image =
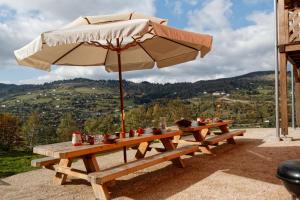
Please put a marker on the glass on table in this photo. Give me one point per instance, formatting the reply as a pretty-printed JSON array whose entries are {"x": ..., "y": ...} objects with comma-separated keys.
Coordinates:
[
  {"x": 98, "y": 139},
  {"x": 163, "y": 123}
]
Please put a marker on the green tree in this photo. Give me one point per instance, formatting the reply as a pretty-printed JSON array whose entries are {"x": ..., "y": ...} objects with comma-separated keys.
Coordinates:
[
  {"x": 92, "y": 125},
  {"x": 66, "y": 127},
  {"x": 9, "y": 131},
  {"x": 47, "y": 135},
  {"x": 178, "y": 110},
  {"x": 137, "y": 117},
  {"x": 31, "y": 130}
]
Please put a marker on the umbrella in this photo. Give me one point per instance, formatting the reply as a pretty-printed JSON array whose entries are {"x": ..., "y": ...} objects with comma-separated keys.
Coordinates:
[{"x": 122, "y": 42}]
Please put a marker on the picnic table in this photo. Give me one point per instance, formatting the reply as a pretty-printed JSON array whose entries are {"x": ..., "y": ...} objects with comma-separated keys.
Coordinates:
[
  {"x": 204, "y": 138},
  {"x": 61, "y": 155}
]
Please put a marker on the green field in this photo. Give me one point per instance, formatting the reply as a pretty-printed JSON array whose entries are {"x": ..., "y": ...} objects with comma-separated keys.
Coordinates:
[{"x": 15, "y": 162}]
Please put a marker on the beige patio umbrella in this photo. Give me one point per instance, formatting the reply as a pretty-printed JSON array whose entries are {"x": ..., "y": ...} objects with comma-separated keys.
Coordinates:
[{"x": 122, "y": 42}]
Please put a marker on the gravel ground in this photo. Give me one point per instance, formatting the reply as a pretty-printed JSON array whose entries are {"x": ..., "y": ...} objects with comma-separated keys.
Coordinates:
[{"x": 242, "y": 171}]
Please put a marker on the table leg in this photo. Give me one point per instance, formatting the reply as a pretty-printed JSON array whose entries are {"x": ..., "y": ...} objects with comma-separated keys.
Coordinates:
[
  {"x": 225, "y": 129},
  {"x": 101, "y": 191},
  {"x": 200, "y": 137},
  {"x": 90, "y": 163},
  {"x": 142, "y": 150},
  {"x": 60, "y": 178},
  {"x": 168, "y": 144}
]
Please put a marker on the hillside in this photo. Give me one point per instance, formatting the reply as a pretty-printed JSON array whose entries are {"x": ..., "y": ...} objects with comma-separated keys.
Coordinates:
[{"x": 89, "y": 98}]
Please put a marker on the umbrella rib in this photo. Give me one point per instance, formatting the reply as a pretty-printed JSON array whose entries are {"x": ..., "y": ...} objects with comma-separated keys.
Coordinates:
[
  {"x": 88, "y": 21},
  {"x": 106, "y": 57},
  {"x": 61, "y": 57}
]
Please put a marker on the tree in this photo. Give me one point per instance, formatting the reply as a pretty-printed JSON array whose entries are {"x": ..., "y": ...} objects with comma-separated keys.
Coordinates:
[
  {"x": 103, "y": 124},
  {"x": 178, "y": 110},
  {"x": 31, "y": 130},
  {"x": 66, "y": 127},
  {"x": 47, "y": 135},
  {"x": 9, "y": 131},
  {"x": 137, "y": 117}
]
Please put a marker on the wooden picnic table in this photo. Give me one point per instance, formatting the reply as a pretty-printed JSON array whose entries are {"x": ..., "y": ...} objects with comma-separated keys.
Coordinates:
[
  {"x": 202, "y": 132},
  {"x": 64, "y": 153}
]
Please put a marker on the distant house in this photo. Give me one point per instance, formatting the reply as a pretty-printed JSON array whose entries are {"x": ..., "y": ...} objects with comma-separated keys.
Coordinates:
[{"x": 216, "y": 94}]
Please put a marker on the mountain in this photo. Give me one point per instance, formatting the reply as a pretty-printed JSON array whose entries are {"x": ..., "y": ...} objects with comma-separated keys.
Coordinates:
[
  {"x": 88, "y": 98},
  {"x": 248, "y": 81}
]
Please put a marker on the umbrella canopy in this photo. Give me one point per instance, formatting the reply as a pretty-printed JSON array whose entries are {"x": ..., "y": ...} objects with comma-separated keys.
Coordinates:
[
  {"x": 122, "y": 42},
  {"x": 150, "y": 42}
]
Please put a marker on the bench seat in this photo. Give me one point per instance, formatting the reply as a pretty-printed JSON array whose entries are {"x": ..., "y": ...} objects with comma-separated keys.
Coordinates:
[
  {"x": 44, "y": 162},
  {"x": 218, "y": 138},
  {"x": 125, "y": 169}
]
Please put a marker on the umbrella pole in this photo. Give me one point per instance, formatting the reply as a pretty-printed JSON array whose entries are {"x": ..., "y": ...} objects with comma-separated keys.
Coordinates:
[{"x": 121, "y": 97}]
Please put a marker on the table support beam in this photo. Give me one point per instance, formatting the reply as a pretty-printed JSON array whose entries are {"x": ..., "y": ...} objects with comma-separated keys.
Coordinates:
[{"x": 60, "y": 178}]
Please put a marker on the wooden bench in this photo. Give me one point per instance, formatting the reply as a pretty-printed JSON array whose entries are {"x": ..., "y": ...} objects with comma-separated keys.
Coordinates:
[
  {"x": 46, "y": 162},
  {"x": 226, "y": 136},
  {"x": 214, "y": 140},
  {"x": 99, "y": 179}
]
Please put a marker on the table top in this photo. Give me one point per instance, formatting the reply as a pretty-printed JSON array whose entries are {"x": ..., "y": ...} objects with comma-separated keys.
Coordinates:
[
  {"x": 207, "y": 126},
  {"x": 67, "y": 150}
]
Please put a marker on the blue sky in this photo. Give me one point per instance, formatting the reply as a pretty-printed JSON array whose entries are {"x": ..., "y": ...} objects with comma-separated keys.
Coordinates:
[{"x": 240, "y": 28}]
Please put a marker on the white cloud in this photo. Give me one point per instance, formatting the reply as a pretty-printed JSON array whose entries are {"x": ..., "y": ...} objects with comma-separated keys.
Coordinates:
[
  {"x": 25, "y": 20},
  {"x": 235, "y": 51},
  {"x": 212, "y": 16},
  {"x": 65, "y": 72},
  {"x": 71, "y": 9}
]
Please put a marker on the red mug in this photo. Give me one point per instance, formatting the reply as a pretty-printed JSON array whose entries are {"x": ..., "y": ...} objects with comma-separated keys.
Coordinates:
[
  {"x": 140, "y": 131},
  {"x": 123, "y": 134},
  {"x": 131, "y": 133}
]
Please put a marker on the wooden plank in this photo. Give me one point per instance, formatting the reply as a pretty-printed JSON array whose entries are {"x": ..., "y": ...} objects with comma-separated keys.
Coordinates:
[
  {"x": 142, "y": 150},
  {"x": 66, "y": 150},
  {"x": 60, "y": 178},
  {"x": 207, "y": 126},
  {"x": 283, "y": 27},
  {"x": 131, "y": 167},
  {"x": 187, "y": 142},
  {"x": 72, "y": 172},
  {"x": 90, "y": 163},
  {"x": 44, "y": 161},
  {"x": 168, "y": 144},
  {"x": 218, "y": 138},
  {"x": 101, "y": 191},
  {"x": 297, "y": 103},
  {"x": 283, "y": 93}
]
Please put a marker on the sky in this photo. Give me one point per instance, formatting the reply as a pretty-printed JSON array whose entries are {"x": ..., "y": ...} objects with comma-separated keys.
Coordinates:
[{"x": 243, "y": 32}]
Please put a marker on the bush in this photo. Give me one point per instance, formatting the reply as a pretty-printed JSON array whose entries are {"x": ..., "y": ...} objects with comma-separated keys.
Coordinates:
[{"x": 9, "y": 131}]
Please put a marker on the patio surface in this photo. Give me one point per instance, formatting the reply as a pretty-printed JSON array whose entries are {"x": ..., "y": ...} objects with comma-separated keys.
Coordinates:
[{"x": 242, "y": 171}]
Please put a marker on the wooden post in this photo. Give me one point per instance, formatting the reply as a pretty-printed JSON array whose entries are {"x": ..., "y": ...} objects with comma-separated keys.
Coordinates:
[
  {"x": 121, "y": 97},
  {"x": 283, "y": 39},
  {"x": 297, "y": 101},
  {"x": 283, "y": 93}
]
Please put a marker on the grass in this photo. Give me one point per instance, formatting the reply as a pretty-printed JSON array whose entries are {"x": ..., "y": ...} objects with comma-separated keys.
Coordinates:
[{"x": 15, "y": 162}]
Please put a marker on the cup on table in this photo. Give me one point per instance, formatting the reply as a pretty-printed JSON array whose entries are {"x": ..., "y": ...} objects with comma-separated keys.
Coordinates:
[{"x": 162, "y": 123}]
